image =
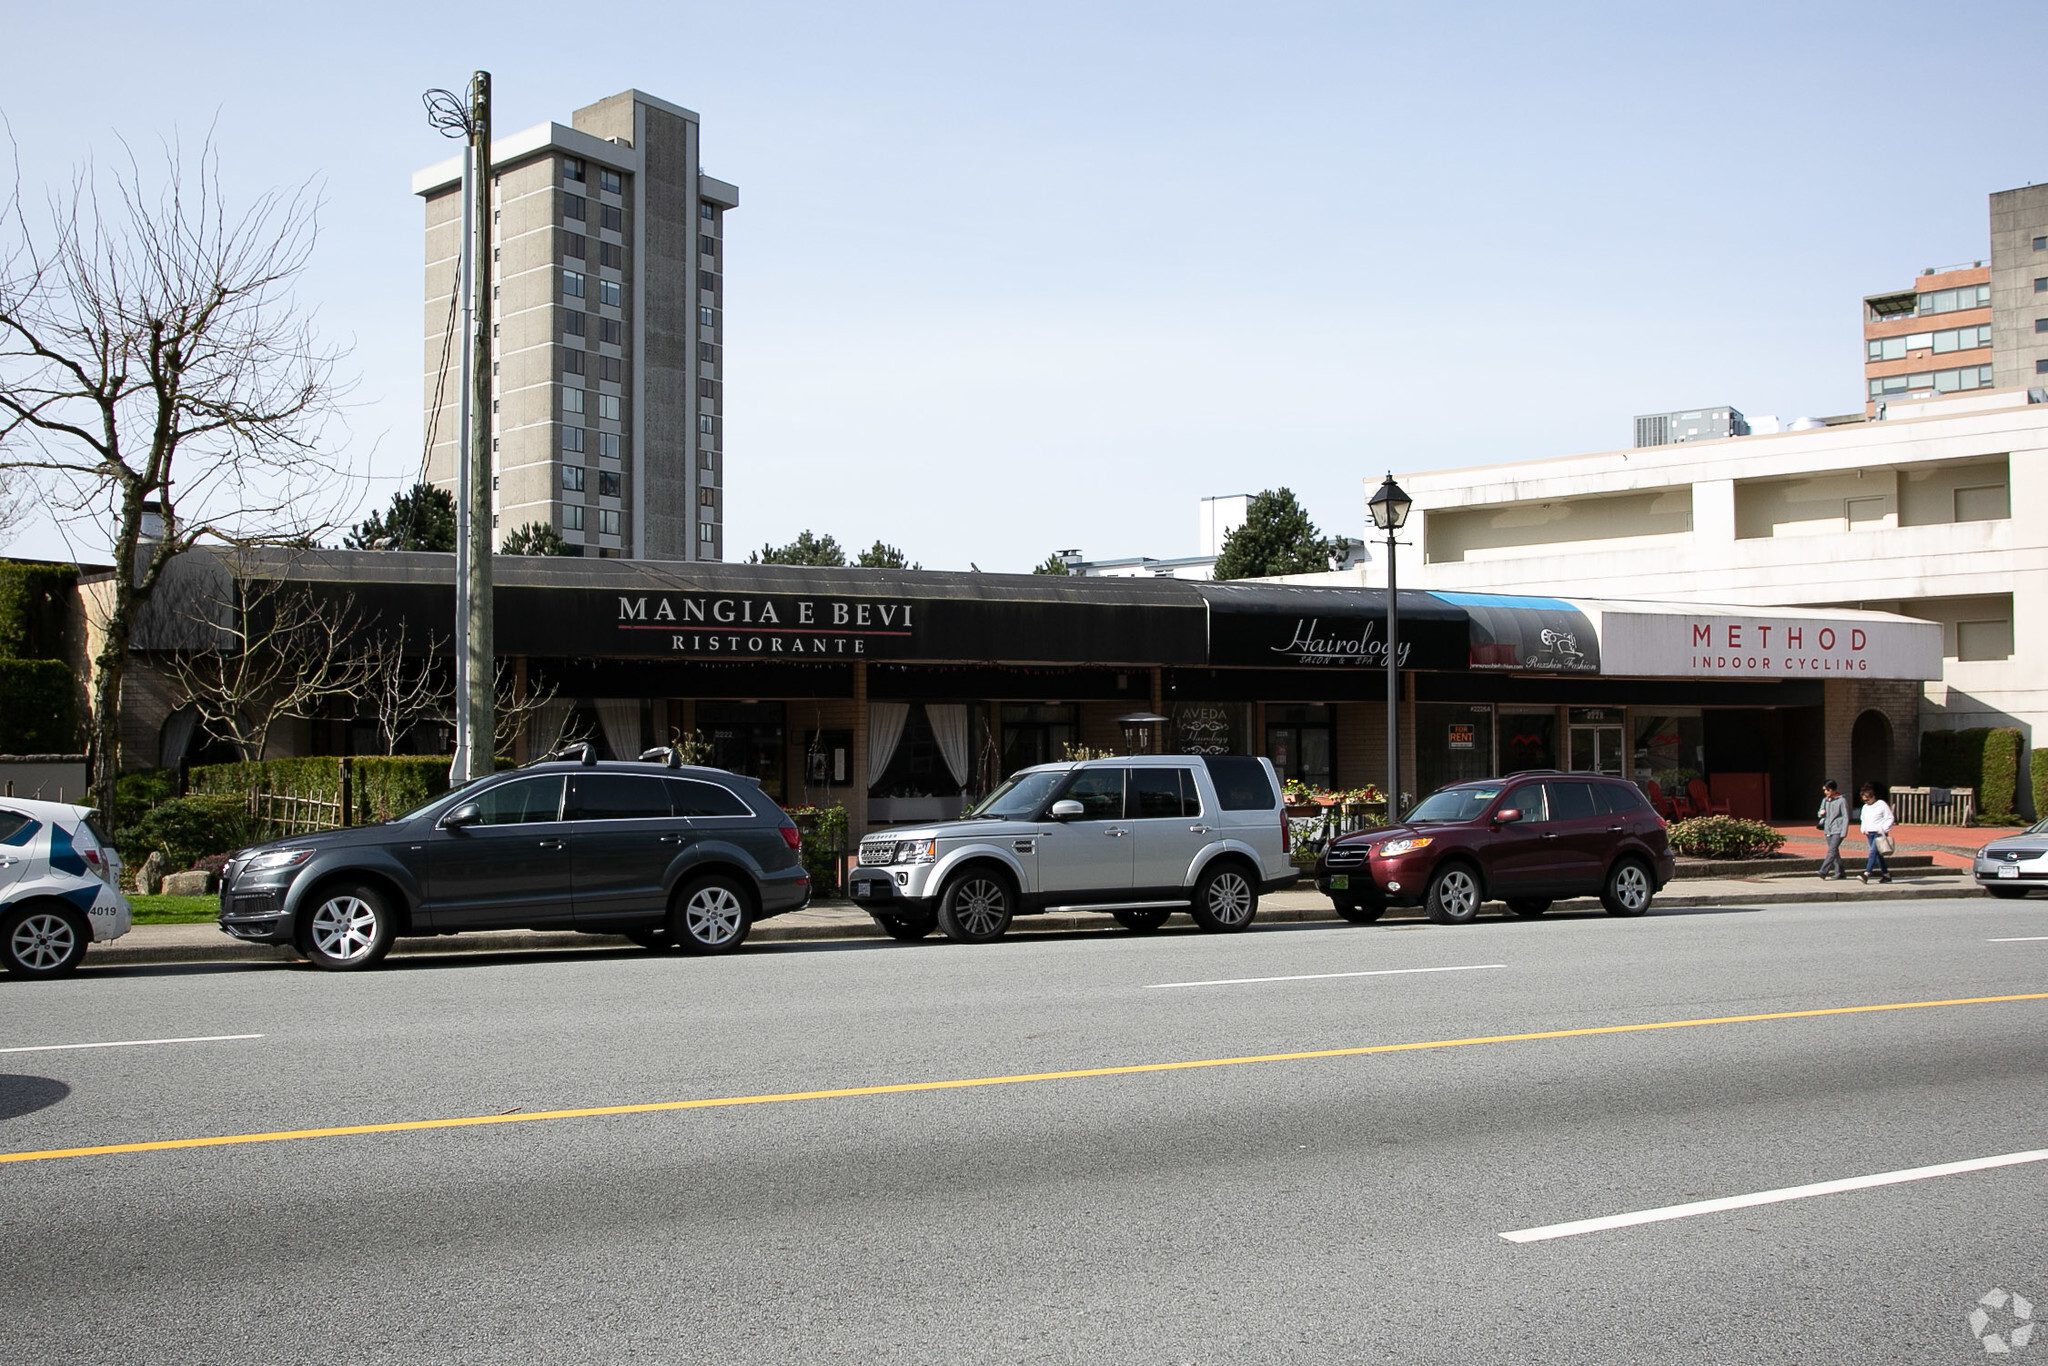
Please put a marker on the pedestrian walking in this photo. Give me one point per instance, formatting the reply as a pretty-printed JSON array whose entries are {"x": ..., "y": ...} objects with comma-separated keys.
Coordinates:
[
  {"x": 1876, "y": 820},
  {"x": 1833, "y": 822}
]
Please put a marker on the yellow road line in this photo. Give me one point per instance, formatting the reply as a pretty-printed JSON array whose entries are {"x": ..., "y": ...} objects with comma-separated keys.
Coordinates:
[{"x": 968, "y": 1083}]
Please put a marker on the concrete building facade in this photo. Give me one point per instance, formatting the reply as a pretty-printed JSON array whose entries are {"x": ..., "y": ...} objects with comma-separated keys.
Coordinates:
[
  {"x": 607, "y": 276},
  {"x": 2019, "y": 287},
  {"x": 1931, "y": 338}
]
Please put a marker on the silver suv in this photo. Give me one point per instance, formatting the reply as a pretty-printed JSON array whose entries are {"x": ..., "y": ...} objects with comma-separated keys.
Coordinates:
[{"x": 1140, "y": 837}]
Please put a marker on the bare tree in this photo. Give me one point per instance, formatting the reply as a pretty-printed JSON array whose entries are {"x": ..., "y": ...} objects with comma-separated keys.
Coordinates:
[
  {"x": 157, "y": 378},
  {"x": 404, "y": 686},
  {"x": 266, "y": 650},
  {"x": 517, "y": 705}
]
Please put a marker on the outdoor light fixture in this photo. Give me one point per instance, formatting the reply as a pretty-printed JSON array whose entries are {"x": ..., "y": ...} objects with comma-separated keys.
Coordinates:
[
  {"x": 1135, "y": 727},
  {"x": 1389, "y": 508}
]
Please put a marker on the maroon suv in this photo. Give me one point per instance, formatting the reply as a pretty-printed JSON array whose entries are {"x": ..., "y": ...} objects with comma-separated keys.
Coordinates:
[{"x": 1528, "y": 840}]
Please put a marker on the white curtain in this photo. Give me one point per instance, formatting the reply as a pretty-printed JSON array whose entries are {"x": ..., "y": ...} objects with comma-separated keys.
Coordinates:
[
  {"x": 949, "y": 728},
  {"x": 177, "y": 737},
  {"x": 548, "y": 720},
  {"x": 885, "y": 727},
  {"x": 620, "y": 717}
]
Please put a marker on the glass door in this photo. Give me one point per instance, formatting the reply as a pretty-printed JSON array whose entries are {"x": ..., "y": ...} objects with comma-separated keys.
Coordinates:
[{"x": 1598, "y": 749}]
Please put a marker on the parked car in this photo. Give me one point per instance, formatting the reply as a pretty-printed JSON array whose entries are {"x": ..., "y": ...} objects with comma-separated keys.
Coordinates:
[
  {"x": 2014, "y": 864},
  {"x": 1530, "y": 840},
  {"x": 1140, "y": 837},
  {"x": 668, "y": 855},
  {"x": 60, "y": 887}
]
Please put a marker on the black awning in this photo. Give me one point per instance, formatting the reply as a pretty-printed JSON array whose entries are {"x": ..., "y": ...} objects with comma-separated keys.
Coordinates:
[{"x": 1262, "y": 625}]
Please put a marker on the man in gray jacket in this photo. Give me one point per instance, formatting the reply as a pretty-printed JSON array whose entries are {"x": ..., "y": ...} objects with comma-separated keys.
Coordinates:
[{"x": 1833, "y": 819}]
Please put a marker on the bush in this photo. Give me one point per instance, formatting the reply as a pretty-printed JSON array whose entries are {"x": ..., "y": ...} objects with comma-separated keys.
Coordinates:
[
  {"x": 188, "y": 828},
  {"x": 135, "y": 795},
  {"x": 38, "y": 707},
  {"x": 36, "y": 605},
  {"x": 1984, "y": 759},
  {"x": 1724, "y": 837},
  {"x": 2040, "y": 783},
  {"x": 823, "y": 831},
  {"x": 391, "y": 785}
]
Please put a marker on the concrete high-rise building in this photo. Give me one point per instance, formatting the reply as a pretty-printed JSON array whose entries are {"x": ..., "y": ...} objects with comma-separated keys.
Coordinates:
[
  {"x": 2019, "y": 287},
  {"x": 608, "y": 370}
]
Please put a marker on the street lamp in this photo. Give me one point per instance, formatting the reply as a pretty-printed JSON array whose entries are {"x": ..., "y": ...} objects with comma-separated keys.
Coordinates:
[{"x": 1389, "y": 508}]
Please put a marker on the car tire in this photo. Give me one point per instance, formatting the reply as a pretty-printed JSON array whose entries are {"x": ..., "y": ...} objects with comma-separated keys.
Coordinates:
[
  {"x": 2007, "y": 893},
  {"x": 1144, "y": 920},
  {"x": 1455, "y": 895},
  {"x": 348, "y": 927},
  {"x": 1226, "y": 898},
  {"x": 976, "y": 907},
  {"x": 42, "y": 940},
  {"x": 710, "y": 915},
  {"x": 1628, "y": 889},
  {"x": 905, "y": 927},
  {"x": 1359, "y": 912},
  {"x": 1527, "y": 907}
]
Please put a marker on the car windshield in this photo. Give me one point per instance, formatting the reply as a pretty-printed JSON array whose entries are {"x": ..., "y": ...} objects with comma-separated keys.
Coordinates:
[
  {"x": 2039, "y": 827},
  {"x": 430, "y": 804},
  {"x": 1453, "y": 804},
  {"x": 1018, "y": 799}
]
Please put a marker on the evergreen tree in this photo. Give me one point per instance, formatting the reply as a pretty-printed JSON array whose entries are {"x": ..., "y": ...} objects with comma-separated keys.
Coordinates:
[
  {"x": 805, "y": 549},
  {"x": 536, "y": 538},
  {"x": 881, "y": 555},
  {"x": 1277, "y": 538},
  {"x": 1053, "y": 565},
  {"x": 421, "y": 518}
]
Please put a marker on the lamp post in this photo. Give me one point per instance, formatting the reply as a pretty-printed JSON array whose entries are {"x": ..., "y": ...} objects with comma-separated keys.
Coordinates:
[{"x": 1389, "y": 508}]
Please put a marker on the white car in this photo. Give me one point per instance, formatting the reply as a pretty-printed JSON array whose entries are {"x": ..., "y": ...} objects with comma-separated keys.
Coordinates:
[{"x": 60, "y": 887}]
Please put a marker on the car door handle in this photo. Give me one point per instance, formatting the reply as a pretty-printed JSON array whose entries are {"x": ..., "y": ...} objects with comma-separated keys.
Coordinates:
[
  {"x": 1614, "y": 829},
  {"x": 669, "y": 839},
  {"x": 550, "y": 844},
  {"x": 1198, "y": 830},
  {"x": 1115, "y": 834},
  {"x": 1550, "y": 834}
]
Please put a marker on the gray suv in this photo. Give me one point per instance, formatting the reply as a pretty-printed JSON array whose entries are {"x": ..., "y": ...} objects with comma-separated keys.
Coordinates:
[
  {"x": 1140, "y": 837},
  {"x": 670, "y": 856}
]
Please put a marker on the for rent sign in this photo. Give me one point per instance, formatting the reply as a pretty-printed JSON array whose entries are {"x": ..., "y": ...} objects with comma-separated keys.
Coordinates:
[{"x": 1853, "y": 645}]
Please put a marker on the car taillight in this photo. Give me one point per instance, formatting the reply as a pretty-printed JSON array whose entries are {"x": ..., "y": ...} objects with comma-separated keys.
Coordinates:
[
  {"x": 1286, "y": 835},
  {"x": 792, "y": 837}
]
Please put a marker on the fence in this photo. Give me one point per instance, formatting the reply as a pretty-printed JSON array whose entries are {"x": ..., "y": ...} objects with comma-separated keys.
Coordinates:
[
  {"x": 1311, "y": 828},
  {"x": 1934, "y": 805},
  {"x": 279, "y": 815}
]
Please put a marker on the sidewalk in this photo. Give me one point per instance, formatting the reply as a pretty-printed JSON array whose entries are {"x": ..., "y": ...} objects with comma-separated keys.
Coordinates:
[
  {"x": 1953, "y": 846},
  {"x": 156, "y": 944}
]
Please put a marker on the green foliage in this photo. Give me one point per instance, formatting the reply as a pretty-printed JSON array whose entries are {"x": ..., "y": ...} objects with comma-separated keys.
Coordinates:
[
  {"x": 37, "y": 603},
  {"x": 2040, "y": 783},
  {"x": 391, "y": 785},
  {"x": 420, "y": 518},
  {"x": 881, "y": 555},
  {"x": 38, "y": 707},
  {"x": 1986, "y": 759},
  {"x": 1724, "y": 837},
  {"x": 1277, "y": 538},
  {"x": 174, "y": 910},
  {"x": 1053, "y": 565},
  {"x": 189, "y": 828},
  {"x": 381, "y": 786},
  {"x": 536, "y": 538},
  {"x": 805, "y": 549},
  {"x": 136, "y": 793},
  {"x": 823, "y": 829}
]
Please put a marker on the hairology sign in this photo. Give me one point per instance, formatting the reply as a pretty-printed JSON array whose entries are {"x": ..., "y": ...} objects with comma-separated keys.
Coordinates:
[{"x": 1659, "y": 645}]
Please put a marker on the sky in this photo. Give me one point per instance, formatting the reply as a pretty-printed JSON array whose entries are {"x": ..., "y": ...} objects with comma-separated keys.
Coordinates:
[{"x": 1008, "y": 279}]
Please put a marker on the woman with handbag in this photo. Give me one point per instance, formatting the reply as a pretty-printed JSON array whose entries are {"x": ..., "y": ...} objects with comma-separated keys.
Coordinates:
[{"x": 1876, "y": 820}]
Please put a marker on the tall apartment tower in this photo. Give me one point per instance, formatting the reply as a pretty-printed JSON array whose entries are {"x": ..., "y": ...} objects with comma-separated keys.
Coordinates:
[
  {"x": 2019, "y": 287},
  {"x": 608, "y": 286}
]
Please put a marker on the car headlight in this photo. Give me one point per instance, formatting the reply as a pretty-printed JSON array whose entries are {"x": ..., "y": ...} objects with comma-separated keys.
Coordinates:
[
  {"x": 915, "y": 851},
  {"x": 1409, "y": 846},
  {"x": 277, "y": 860}
]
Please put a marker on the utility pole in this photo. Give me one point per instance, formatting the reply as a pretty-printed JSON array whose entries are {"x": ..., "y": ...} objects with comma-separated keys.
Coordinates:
[{"x": 475, "y": 644}]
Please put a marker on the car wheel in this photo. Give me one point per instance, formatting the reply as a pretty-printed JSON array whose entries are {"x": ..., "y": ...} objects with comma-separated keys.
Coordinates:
[
  {"x": 1359, "y": 912},
  {"x": 1454, "y": 896},
  {"x": 2007, "y": 893},
  {"x": 349, "y": 927},
  {"x": 1226, "y": 899},
  {"x": 42, "y": 940},
  {"x": 710, "y": 916},
  {"x": 1142, "y": 921},
  {"x": 905, "y": 927},
  {"x": 976, "y": 907},
  {"x": 1628, "y": 889},
  {"x": 1528, "y": 908}
]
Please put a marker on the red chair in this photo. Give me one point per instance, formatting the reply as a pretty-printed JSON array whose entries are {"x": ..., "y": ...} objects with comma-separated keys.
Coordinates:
[
  {"x": 1703, "y": 802},
  {"x": 1661, "y": 804}
]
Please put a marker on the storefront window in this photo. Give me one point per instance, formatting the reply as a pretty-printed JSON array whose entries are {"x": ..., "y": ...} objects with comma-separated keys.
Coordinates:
[
  {"x": 919, "y": 766},
  {"x": 1453, "y": 744},
  {"x": 746, "y": 738},
  {"x": 1527, "y": 740},
  {"x": 1208, "y": 727},
  {"x": 1037, "y": 733},
  {"x": 1670, "y": 749},
  {"x": 1300, "y": 741}
]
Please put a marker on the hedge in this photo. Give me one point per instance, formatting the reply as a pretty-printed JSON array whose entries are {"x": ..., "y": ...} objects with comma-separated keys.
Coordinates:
[
  {"x": 823, "y": 833},
  {"x": 2040, "y": 784},
  {"x": 1724, "y": 837},
  {"x": 1985, "y": 758},
  {"x": 381, "y": 786},
  {"x": 38, "y": 707},
  {"x": 36, "y": 605}
]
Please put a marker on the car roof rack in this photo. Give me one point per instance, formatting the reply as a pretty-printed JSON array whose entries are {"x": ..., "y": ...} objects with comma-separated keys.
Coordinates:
[
  {"x": 582, "y": 751},
  {"x": 669, "y": 756}
]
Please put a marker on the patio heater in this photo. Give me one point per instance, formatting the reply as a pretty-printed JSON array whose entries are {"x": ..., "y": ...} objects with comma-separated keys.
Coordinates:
[{"x": 1137, "y": 731}]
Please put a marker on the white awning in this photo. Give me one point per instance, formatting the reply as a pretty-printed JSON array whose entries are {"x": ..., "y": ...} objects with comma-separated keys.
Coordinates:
[{"x": 1679, "y": 640}]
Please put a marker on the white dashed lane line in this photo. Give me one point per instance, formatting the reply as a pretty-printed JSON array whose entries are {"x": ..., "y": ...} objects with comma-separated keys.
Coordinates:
[{"x": 1322, "y": 976}]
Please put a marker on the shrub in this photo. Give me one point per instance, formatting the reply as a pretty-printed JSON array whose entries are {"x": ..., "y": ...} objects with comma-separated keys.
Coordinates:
[
  {"x": 1724, "y": 837},
  {"x": 187, "y": 828},
  {"x": 38, "y": 707},
  {"x": 36, "y": 605},
  {"x": 823, "y": 831},
  {"x": 391, "y": 785},
  {"x": 2040, "y": 783},
  {"x": 1984, "y": 759}
]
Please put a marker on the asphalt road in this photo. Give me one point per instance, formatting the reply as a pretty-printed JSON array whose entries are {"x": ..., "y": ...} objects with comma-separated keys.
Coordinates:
[{"x": 1342, "y": 1208}]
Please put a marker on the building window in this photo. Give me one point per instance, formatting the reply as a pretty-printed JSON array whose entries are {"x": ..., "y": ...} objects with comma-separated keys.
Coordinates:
[
  {"x": 1940, "y": 381},
  {"x": 607, "y": 521},
  {"x": 611, "y": 217},
  {"x": 607, "y": 483},
  {"x": 704, "y": 460},
  {"x": 572, "y": 520},
  {"x": 572, "y": 207},
  {"x": 704, "y": 425},
  {"x": 705, "y": 533},
  {"x": 572, "y": 362},
  {"x": 609, "y": 181},
  {"x": 1984, "y": 639},
  {"x": 608, "y": 445},
  {"x": 610, "y": 368},
  {"x": 572, "y": 283},
  {"x": 707, "y": 244},
  {"x": 703, "y": 210},
  {"x": 706, "y": 389},
  {"x": 2041, "y": 285},
  {"x": 572, "y": 441},
  {"x": 2041, "y": 324},
  {"x": 704, "y": 351},
  {"x": 572, "y": 478},
  {"x": 2041, "y": 244},
  {"x": 608, "y": 407},
  {"x": 611, "y": 254},
  {"x": 572, "y": 169},
  {"x": 1949, "y": 339},
  {"x": 574, "y": 245},
  {"x": 706, "y": 280},
  {"x": 705, "y": 317},
  {"x": 2041, "y": 367},
  {"x": 608, "y": 292},
  {"x": 610, "y": 330},
  {"x": 572, "y": 324},
  {"x": 706, "y": 498},
  {"x": 572, "y": 400},
  {"x": 1954, "y": 300}
]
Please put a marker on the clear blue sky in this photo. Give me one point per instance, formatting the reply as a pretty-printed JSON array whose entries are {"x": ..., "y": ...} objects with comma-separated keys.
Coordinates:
[{"x": 1007, "y": 279}]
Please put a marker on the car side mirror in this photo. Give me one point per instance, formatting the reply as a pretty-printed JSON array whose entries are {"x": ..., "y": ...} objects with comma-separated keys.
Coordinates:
[
  {"x": 469, "y": 813},
  {"x": 1508, "y": 816},
  {"x": 1067, "y": 810}
]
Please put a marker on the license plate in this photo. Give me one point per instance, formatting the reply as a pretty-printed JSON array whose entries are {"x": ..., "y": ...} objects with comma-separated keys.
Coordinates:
[
  {"x": 1340, "y": 882},
  {"x": 2008, "y": 872},
  {"x": 863, "y": 889}
]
